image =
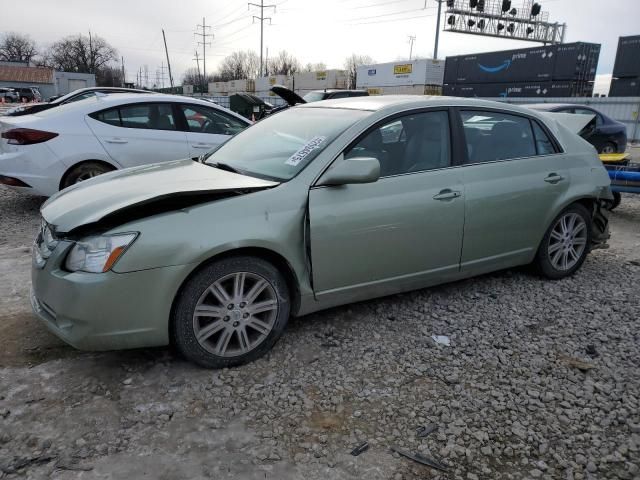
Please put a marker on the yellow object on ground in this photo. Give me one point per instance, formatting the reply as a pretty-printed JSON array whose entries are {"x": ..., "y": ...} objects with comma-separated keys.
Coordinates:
[{"x": 614, "y": 157}]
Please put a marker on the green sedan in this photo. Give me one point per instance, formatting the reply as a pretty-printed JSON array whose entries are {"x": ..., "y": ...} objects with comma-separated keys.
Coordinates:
[{"x": 320, "y": 205}]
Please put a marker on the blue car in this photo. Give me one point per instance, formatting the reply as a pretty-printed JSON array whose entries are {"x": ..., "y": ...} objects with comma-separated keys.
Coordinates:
[{"x": 607, "y": 136}]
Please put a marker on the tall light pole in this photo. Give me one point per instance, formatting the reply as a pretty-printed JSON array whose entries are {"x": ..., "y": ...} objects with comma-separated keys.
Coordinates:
[
  {"x": 412, "y": 38},
  {"x": 435, "y": 50}
]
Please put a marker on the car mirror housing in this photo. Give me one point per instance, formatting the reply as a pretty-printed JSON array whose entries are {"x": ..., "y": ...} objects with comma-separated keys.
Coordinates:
[{"x": 352, "y": 170}]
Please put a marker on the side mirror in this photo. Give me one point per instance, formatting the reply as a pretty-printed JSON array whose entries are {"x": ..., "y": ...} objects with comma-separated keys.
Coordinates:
[{"x": 352, "y": 170}]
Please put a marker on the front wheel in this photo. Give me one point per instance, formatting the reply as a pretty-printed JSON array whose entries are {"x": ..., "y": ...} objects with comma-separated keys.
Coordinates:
[
  {"x": 231, "y": 312},
  {"x": 85, "y": 171},
  {"x": 565, "y": 245}
]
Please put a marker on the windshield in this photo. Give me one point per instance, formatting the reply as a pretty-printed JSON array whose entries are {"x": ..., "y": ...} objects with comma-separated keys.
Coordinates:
[
  {"x": 280, "y": 146},
  {"x": 314, "y": 97}
]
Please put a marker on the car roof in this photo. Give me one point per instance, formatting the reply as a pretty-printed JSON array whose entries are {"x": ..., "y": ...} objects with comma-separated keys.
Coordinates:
[
  {"x": 383, "y": 102},
  {"x": 96, "y": 103}
]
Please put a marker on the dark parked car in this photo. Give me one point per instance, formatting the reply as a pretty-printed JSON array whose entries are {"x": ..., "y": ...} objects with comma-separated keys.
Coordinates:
[
  {"x": 29, "y": 94},
  {"x": 74, "y": 96},
  {"x": 292, "y": 98},
  {"x": 607, "y": 135},
  {"x": 9, "y": 95}
]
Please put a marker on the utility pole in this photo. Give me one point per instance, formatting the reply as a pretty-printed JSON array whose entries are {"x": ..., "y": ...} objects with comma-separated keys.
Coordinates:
[
  {"x": 124, "y": 76},
  {"x": 435, "y": 50},
  {"x": 412, "y": 38},
  {"x": 261, "y": 18},
  {"x": 198, "y": 65},
  {"x": 204, "y": 35},
  {"x": 168, "y": 62},
  {"x": 162, "y": 69}
]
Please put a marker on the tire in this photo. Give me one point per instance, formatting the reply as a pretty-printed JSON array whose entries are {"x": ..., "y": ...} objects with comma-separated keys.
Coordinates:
[
  {"x": 233, "y": 334},
  {"x": 609, "y": 147},
  {"x": 84, "y": 171},
  {"x": 554, "y": 259},
  {"x": 612, "y": 204}
]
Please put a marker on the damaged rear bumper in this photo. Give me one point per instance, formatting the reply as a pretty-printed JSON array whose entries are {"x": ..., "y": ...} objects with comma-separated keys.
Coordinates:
[{"x": 599, "y": 226}]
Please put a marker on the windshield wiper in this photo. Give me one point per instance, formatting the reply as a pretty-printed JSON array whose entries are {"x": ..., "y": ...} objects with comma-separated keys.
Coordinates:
[{"x": 227, "y": 167}]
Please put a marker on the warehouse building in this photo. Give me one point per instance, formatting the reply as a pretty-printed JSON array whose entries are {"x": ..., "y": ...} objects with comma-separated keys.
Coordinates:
[{"x": 48, "y": 81}]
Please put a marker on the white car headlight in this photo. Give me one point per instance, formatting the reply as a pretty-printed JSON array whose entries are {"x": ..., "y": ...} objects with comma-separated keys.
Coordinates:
[{"x": 98, "y": 254}]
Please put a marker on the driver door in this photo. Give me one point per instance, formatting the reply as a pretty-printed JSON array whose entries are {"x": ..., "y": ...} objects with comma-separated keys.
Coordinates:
[
  {"x": 401, "y": 232},
  {"x": 208, "y": 127}
]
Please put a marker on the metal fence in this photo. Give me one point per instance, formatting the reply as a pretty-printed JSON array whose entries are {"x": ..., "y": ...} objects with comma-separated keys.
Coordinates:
[{"x": 622, "y": 109}]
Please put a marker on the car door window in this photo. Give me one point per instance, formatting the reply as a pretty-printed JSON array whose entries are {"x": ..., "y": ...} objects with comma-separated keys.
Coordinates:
[
  {"x": 153, "y": 116},
  {"x": 408, "y": 144},
  {"x": 201, "y": 119},
  {"x": 492, "y": 136},
  {"x": 111, "y": 116},
  {"x": 544, "y": 145}
]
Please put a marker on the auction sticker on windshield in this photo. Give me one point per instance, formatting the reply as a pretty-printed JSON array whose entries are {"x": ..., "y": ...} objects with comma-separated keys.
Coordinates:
[{"x": 306, "y": 149}]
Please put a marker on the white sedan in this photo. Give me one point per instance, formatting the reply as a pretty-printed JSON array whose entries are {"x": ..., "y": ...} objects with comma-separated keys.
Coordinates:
[{"x": 50, "y": 150}]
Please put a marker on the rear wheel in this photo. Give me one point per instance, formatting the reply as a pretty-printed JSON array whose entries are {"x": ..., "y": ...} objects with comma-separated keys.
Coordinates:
[
  {"x": 609, "y": 147},
  {"x": 85, "y": 171},
  {"x": 565, "y": 244},
  {"x": 231, "y": 312},
  {"x": 612, "y": 204}
]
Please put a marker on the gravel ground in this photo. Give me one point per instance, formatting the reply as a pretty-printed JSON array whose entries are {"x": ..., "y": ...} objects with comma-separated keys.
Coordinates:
[{"x": 541, "y": 380}]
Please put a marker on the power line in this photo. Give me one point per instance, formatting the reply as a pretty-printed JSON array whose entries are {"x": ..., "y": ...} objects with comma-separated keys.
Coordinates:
[
  {"x": 412, "y": 38},
  {"x": 262, "y": 18},
  {"x": 204, "y": 35}
]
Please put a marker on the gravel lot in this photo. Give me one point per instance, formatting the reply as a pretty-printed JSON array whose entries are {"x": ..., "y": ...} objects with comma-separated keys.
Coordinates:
[{"x": 541, "y": 380}]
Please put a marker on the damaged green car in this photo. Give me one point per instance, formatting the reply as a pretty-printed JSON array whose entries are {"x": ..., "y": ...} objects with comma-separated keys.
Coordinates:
[{"x": 320, "y": 205}]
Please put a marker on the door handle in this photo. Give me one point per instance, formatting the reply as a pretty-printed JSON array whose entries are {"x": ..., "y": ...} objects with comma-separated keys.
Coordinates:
[
  {"x": 201, "y": 145},
  {"x": 447, "y": 195},
  {"x": 553, "y": 178},
  {"x": 116, "y": 140}
]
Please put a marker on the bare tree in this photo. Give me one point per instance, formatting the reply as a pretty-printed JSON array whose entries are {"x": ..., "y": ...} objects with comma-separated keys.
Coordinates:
[
  {"x": 109, "y": 76},
  {"x": 315, "y": 67},
  {"x": 238, "y": 65},
  {"x": 351, "y": 65},
  {"x": 80, "y": 54},
  {"x": 15, "y": 47},
  {"x": 283, "y": 64}
]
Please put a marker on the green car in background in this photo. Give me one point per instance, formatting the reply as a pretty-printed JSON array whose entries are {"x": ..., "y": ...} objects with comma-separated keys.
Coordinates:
[{"x": 320, "y": 205}]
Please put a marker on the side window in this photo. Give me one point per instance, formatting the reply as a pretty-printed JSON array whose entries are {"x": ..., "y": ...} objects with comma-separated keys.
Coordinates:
[
  {"x": 111, "y": 116},
  {"x": 202, "y": 119},
  {"x": 544, "y": 145},
  {"x": 152, "y": 116},
  {"x": 492, "y": 136},
  {"x": 408, "y": 144},
  {"x": 584, "y": 111}
]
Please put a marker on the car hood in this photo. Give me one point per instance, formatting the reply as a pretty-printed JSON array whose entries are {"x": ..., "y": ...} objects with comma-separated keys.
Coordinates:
[
  {"x": 124, "y": 195},
  {"x": 289, "y": 96}
]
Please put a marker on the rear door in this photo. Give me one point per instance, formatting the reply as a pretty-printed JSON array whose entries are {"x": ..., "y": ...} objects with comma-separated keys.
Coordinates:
[
  {"x": 208, "y": 127},
  {"x": 140, "y": 133},
  {"x": 514, "y": 177},
  {"x": 400, "y": 232}
]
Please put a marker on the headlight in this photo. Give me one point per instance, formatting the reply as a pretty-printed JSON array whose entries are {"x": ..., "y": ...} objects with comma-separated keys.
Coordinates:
[{"x": 98, "y": 254}]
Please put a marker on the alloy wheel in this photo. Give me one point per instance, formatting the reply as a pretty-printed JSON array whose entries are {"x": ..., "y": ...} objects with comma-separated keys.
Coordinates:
[
  {"x": 568, "y": 241},
  {"x": 235, "y": 314}
]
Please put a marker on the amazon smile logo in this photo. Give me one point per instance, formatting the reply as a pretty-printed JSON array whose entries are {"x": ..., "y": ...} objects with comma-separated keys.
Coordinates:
[{"x": 499, "y": 68}]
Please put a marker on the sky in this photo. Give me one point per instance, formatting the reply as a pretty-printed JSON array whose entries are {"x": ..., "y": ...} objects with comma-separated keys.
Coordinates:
[{"x": 320, "y": 31}]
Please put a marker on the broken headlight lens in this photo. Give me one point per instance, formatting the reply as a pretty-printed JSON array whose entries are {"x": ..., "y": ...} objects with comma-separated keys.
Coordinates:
[{"x": 98, "y": 254}]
